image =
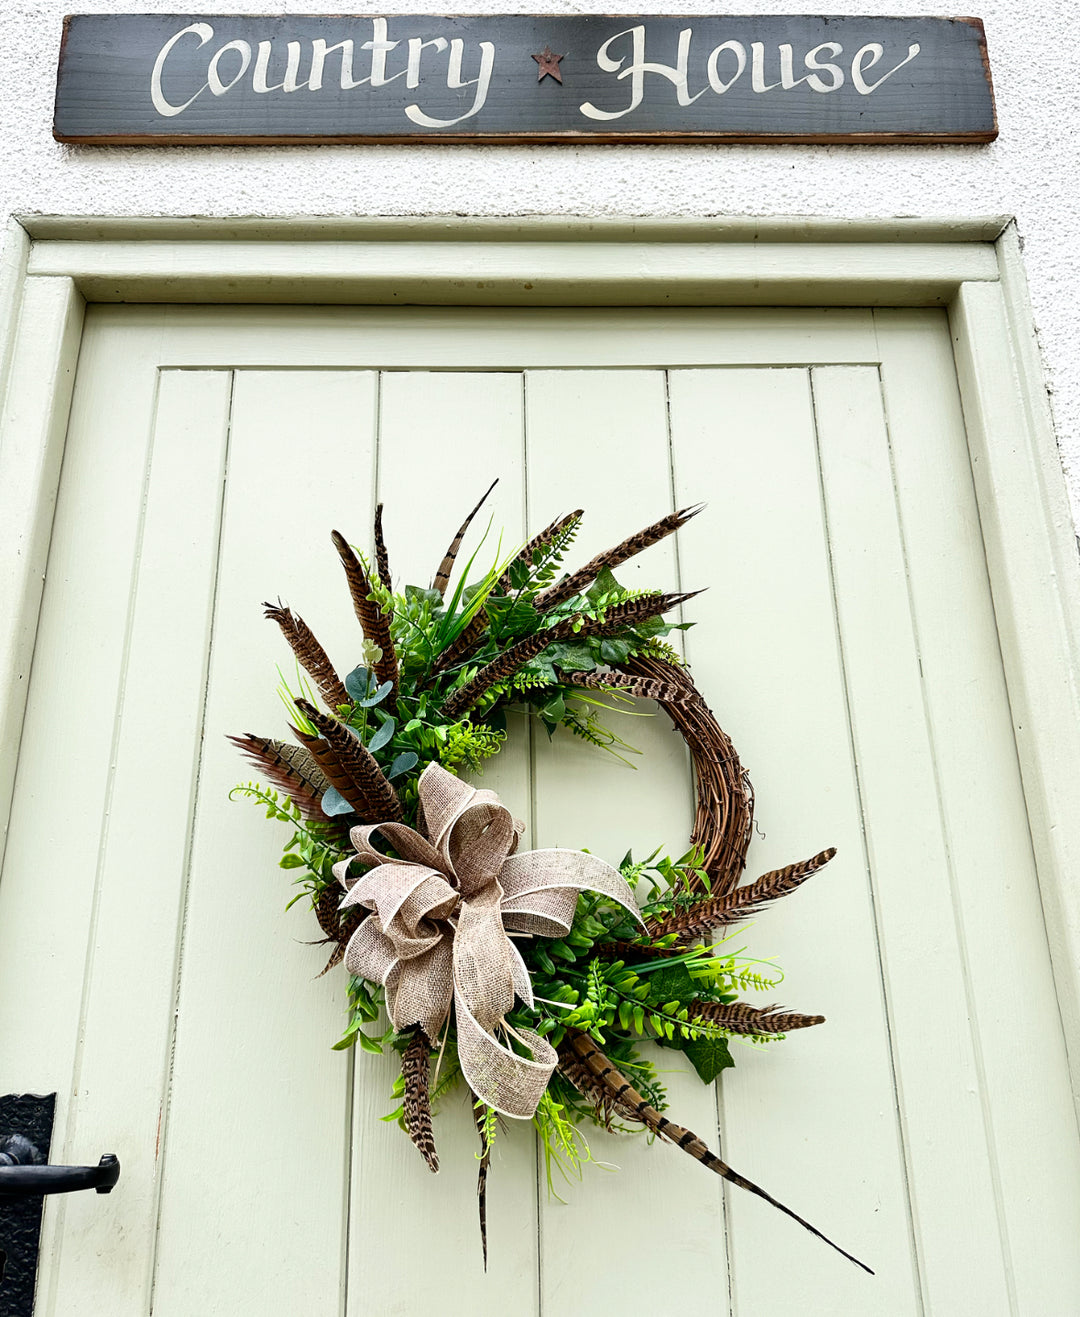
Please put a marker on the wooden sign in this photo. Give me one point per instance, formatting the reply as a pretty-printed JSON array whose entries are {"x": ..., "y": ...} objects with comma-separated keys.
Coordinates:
[{"x": 284, "y": 79}]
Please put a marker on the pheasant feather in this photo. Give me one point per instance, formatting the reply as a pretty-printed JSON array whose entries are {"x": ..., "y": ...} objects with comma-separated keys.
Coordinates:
[
  {"x": 382, "y": 558},
  {"x": 643, "y": 688},
  {"x": 374, "y": 622},
  {"x": 742, "y": 1018},
  {"x": 337, "y": 925},
  {"x": 629, "y": 548},
  {"x": 290, "y": 768},
  {"x": 616, "y": 620},
  {"x": 732, "y": 907},
  {"x": 481, "y": 1178},
  {"x": 337, "y": 777},
  {"x": 506, "y": 665},
  {"x": 372, "y": 793},
  {"x": 623, "y": 1093},
  {"x": 540, "y": 541},
  {"x": 417, "y": 1102},
  {"x": 310, "y": 654},
  {"x": 442, "y": 576},
  {"x": 463, "y": 646}
]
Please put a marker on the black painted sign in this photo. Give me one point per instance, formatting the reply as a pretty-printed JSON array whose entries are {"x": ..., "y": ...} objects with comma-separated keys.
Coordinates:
[{"x": 283, "y": 79}]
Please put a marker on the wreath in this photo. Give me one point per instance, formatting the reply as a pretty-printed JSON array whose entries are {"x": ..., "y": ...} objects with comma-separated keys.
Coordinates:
[{"x": 531, "y": 976}]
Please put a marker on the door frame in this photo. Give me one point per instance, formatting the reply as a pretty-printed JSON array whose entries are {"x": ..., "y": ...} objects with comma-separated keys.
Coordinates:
[{"x": 51, "y": 267}]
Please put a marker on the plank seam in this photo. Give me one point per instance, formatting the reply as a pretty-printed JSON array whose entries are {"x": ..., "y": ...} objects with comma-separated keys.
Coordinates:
[
  {"x": 970, "y": 999},
  {"x": 894, "y": 1069},
  {"x": 683, "y": 644},
  {"x": 185, "y": 893},
  {"x": 540, "y": 1179}
]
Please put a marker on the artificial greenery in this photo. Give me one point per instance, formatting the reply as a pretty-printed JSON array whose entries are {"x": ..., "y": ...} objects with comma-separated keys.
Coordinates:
[
  {"x": 438, "y": 670},
  {"x": 644, "y": 995}
]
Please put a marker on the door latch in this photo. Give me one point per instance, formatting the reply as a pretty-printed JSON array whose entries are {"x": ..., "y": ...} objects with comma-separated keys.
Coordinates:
[
  {"x": 23, "y": 1173},
  {"x": 26, "y": 1123}
]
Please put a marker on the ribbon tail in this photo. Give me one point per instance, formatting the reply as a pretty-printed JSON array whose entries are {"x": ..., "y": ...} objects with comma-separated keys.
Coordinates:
[{"x": 513, "y": 1085}]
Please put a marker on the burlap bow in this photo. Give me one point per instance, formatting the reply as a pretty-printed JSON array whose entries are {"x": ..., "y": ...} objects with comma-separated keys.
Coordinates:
[{"x": 438, "y": 929}]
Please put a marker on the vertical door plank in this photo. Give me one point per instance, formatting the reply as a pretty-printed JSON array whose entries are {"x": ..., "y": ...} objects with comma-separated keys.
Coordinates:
[
  {"x": 120, "y": 1066},
  {"x": 414, "y": 1237},
  {"x": 255, "y": 1163},
  {"x": 952, "y": 1186},
  {"x": 34, "y": 413},
  {"x": 1023, "y": 1064},
  {"x": 60, "y": 800},
  {"x": 598, "y": 440},
  {"x": 811, "y": 1119}
]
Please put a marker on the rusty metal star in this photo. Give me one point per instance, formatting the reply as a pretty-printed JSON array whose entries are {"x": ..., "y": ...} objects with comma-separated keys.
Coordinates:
[{"x": 549, "y": 65}]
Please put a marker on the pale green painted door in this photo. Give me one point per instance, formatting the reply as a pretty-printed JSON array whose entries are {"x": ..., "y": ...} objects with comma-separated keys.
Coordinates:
[{"x": 149, "y": 973}]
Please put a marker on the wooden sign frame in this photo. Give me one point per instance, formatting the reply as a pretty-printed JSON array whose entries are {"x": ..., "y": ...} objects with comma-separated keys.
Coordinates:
[{"x": 151, "y": 79}]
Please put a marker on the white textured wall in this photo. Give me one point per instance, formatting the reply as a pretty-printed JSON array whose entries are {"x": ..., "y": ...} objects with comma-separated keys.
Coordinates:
[{"x": 1032, "y": 171}]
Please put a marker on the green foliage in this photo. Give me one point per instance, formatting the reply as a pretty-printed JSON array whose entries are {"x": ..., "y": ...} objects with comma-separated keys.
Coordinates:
[
  {"x": 364, "y": 1000},
  {"x": 312, "y": 850},
  {"x": 709, "y": 1056},
  {"x": 640, "y": 1000},
  {"x": 564, "y": 1146},
  {"x": 487, "y": 1121}
]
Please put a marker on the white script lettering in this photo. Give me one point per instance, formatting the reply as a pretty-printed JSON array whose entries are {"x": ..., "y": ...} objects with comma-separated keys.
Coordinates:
[
  {"x": 875, "y": 50},
  {"x": 822, "y": 75},
  {"x": 232, "y": 60}
]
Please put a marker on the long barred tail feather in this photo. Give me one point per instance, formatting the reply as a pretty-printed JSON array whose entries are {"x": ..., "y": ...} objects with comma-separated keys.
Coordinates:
[
  {"x": 506, "y": 665},
  {"x": 473, "y": 635},
  {"x": 291, "y": 769},
  {"x": 621, "y": 616},
  {"x": 460, "y": 649},
  {"x": 629, "y": 548},
  {"x": 616, "y": 620},
  {"x": 539, "y": 541},
  {"x": 417, "y": 1102},
  {"x": 594, "y": 1090},
  {"x": 310, "y": 654},
  {"x": 481, "y": 1179},
  {"x": 732, "y": 907},
  {"x": 623, "y": 1092},
  {"x": 442, "y": 576}
]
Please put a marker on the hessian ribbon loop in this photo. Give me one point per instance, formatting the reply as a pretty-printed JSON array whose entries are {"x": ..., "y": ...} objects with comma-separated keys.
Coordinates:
[{"x": 441, "y": 912}]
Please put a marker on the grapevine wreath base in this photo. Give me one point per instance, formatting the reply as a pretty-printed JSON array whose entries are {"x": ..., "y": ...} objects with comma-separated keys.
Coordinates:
[{"x": 532, "y": 976}]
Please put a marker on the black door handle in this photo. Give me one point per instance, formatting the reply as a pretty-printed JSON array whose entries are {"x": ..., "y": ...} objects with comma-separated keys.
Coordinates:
[{"x": 22, "y": 1175}]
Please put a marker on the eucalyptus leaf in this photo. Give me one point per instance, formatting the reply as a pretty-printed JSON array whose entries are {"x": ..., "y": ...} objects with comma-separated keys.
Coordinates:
[
  {"x": 554, "y": 709},
  {"x": 384, "y": 735},
  {"x": 358, "y": 683},
  {"x": 403, "y": 763},
  {"x": 334, "y": 803},
  {"x": 377, "y": 696}
]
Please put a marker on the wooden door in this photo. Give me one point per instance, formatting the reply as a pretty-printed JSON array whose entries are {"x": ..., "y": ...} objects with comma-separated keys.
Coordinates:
[{"x": 149, "y": 972}]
